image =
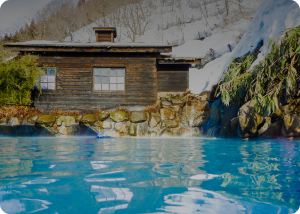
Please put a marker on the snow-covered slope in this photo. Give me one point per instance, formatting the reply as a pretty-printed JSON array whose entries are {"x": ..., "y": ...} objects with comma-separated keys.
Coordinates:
[{"x": 271, "y": 18}]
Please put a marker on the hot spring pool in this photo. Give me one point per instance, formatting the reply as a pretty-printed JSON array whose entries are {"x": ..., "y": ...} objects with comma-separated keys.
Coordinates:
[{"x": 149, "y": 175}]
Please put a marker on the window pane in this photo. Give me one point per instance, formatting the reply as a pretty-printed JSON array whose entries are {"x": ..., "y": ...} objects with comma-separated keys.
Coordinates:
[
  {"x": 113, "y": 86},
  {"x": 97, "y": 78},
  {"x": 44, "y": 70},
  {"x": 113, "y": 79},
  {"x": 44, "y": 85},
  {"x": 105, "y": 72},
  {"x": 120, "y": 79},
  {"x": 121, "y": 72},
  {"x": 51, "y": 71},
  {"x": 105, "y": 86},
  {"x": 105, "y": 79},
  {"x": 113, "y": 72},
  {"x": 121, "y": 87},
  {"x": 97, "y": 87},
  {"x": 51, "y": 85},
  {"x": 51, "y": 78},
  {"x": 97, "y": 71},
  {"x": 44, "y": 79}
]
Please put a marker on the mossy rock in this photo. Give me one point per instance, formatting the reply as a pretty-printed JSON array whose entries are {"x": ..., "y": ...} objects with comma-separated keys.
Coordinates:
[
  {"x": 45, "y": 120},
  {"x": 89, "y": 119},
  {"x": 32, "y": 119},
  {"x": 103, "y": 115},
  {"x": 3, "y": 121},
  {"x": 138, "y": 116},
  {"x": 68, "y": 120},
  {"x": 119, "y": 116}
]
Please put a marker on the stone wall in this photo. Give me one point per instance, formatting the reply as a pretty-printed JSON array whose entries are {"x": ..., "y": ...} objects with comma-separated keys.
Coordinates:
[{"x": 174, "y": 114}]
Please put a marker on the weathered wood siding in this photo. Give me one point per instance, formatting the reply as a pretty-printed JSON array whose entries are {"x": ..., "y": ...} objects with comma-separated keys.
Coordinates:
[
  {"x": 172, "y": 78},
  {"x": 104, "y": 36},
  {"x": 74, "y": 83}
]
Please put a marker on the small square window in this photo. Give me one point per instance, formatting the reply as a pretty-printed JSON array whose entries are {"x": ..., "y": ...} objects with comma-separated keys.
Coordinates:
[
  {"x": 109, "y": 79},
  {"x": 48, "y": 78}
]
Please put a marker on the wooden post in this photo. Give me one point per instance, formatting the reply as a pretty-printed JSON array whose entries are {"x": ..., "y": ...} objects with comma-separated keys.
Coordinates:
[{"x": 199, "y": 35}]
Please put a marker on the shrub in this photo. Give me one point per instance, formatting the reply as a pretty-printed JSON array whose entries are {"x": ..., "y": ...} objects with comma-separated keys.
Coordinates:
[{"x": 277, "y": 76}]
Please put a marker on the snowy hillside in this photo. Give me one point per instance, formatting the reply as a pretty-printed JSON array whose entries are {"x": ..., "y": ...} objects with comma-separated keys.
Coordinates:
[
  {"x": 183, "y": 23},
  {"x": 272, "y": 17}
]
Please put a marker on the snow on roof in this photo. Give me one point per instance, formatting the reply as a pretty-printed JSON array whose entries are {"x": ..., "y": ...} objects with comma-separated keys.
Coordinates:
[{"x": 87, "y": 44}]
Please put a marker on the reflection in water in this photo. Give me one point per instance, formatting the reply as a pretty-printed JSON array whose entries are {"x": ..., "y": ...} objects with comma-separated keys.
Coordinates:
[
  {"x": 127, "y": 175},
  {"x": 197, "y": 200},
  {"x": 111, "y": 194},
  {"x": 112, "y": 209}
]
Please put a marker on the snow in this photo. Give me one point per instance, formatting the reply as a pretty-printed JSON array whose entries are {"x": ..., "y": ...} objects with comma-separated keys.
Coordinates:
[
  {"x": 203, "y": 79},
  {"x": 271, "y": 18},
  {"x": 87, "y": 44}
]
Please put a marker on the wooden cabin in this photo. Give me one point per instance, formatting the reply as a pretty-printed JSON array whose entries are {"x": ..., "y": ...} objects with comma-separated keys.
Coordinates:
[{"x": 102, "y": 75}]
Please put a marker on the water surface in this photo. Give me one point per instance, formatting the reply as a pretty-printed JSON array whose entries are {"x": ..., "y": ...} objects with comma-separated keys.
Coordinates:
[{"x": 149, "y": 175}]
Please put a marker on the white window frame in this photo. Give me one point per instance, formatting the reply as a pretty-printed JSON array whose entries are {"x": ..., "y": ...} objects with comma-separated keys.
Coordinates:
[
  {"x": 48, "y": 79},
  {"x": 109, "y": 79}
]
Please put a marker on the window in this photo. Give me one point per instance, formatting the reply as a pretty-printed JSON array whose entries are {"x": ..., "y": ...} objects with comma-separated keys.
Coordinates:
[
  {"x": 109, "y": 79},
  {"x": 48, "y": 78}
]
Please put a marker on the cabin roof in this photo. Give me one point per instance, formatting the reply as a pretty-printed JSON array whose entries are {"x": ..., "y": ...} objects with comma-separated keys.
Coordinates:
[{"x": 52, "y": 46}]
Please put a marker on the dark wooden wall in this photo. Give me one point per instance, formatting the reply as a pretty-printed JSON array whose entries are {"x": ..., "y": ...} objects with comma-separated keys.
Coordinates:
[
  {"x": 74, "y": 82},
  {"x": 172, "y": 78},
  {"x": 104, "y": 36}
]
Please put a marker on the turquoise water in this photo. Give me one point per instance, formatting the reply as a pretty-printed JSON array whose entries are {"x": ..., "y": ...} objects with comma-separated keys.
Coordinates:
[{"x": 149, "y": 175}]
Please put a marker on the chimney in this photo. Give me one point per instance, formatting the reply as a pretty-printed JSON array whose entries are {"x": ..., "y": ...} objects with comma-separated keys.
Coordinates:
[{"x": 105, "y": 34}]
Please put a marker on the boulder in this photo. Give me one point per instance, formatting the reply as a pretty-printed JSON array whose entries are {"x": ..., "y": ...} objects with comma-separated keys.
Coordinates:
[
  {"x": 15, "y": 121},
  {"x": 184, "y": 132},
  {"x": 167, "y": 114},
  {"x": 291, "y": 125},
  {"x": 32, "y": 119},
  {"x": 166, "y": 103},
  {"x": 166, "y": 133},
  {"x": 107, "y": 125},
  {"x": 68, "y": 120},
  {"x": 111, "y": 133},
  {"x": 45, "y": 121},
  {"x": 122, "y": 128},
  {"x": 249, "y": 121},
  {"x": 196, "y": 114},
  {"x": 133, "y": 129},
  {"x": 142, "y": 129},
  {"x": 273, "y": 131},
  {"x": 204, "y": 95},
  {"x": 3, "y": 121},
  {"x": 119, "y": 116},
  {"x": 266, "y": 125},
  {"x": 176, "y": 101},
  {"x": 154, "y": 120},
  {"x": 88, "y": 119},
  {"x": 169, "y": 124},
  {"x": 138, "y": 116},
  {"x": 103, "y": 115}
]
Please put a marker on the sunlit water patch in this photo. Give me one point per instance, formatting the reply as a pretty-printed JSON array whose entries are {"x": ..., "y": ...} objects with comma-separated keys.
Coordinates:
[{"x": 149, "y": 175}]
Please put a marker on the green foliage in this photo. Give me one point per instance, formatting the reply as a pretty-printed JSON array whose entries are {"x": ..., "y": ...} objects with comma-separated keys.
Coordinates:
[
  {"x": 17, "y": 78},
  {"x": 276, "y": 76},
  {"x": 5, "y": 54}
]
